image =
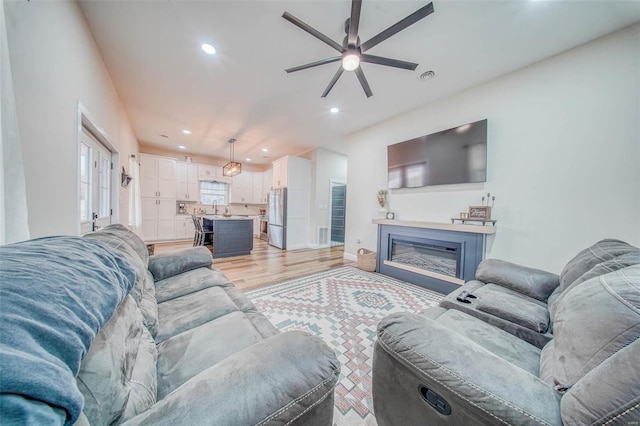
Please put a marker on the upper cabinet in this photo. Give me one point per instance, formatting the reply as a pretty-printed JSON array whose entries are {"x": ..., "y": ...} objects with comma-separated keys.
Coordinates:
[
  {"x": 157, "y": 177},
  {"x": 210, "y": 173},
  {"x": 188, "y": 184},
  {"x": 279, "y": 177}
]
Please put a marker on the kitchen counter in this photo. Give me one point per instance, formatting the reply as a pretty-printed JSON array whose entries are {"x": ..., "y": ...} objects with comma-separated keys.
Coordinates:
[{"x": 232, "y": 236}]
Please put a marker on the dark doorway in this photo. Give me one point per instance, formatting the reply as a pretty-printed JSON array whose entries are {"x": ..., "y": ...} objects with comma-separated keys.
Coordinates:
[{"x": 338, "y": 207}]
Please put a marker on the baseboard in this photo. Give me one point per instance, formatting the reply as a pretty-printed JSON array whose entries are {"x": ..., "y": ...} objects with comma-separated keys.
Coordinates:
[
  {"x": 350, "y": 256},
  {"x": 318, "y": 246}
]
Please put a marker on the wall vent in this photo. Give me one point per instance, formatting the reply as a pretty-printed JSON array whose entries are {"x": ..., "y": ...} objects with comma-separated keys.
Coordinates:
[{"x": 323, "y": 235}]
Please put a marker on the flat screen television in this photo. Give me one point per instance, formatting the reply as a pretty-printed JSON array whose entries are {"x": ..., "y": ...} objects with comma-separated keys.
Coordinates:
[{"x": 452, "y": 156}]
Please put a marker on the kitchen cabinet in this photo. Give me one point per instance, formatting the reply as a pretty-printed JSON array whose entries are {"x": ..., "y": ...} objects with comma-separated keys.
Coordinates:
[
  {"x": 158, "y": 197},
  {"x": 212, "y": 173},
  {"x": 185, "y": 228},
  {"x": 256, "y": 226},
  {"x": 267, "y": 180},
  {"x": 187, "y": 182},
  {"x": 158, "y": 219},
  {"x": 157, "y": 177},
  {"x": 257, "y": 196},
  {"x": 280, "y": 172}
]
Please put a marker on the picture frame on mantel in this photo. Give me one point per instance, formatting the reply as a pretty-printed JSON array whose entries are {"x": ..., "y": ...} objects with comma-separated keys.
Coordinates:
[{"x": 479, "y": 212}]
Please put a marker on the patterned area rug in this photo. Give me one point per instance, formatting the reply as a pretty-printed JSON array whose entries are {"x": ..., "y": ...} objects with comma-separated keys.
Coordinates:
[{"x": 343, "y": 306}]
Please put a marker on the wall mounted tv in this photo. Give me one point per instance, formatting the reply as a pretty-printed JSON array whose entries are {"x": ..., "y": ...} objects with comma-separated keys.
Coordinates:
[{"x": 456, "y": 155}]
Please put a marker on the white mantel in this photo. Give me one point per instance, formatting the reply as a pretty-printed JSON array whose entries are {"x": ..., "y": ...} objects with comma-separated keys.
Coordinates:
[{"x": 475, "y": 229}]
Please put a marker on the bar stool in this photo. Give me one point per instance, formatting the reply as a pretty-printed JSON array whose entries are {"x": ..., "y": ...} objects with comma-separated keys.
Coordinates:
[{"x": 200, "y": 236}]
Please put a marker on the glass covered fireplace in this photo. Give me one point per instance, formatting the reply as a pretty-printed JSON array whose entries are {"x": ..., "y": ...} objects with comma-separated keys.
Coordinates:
[{"x": 437, "y": 257}]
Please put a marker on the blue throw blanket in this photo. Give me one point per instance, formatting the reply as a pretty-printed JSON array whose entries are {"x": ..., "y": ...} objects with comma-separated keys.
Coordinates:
[{"x": 56, "y": 293}]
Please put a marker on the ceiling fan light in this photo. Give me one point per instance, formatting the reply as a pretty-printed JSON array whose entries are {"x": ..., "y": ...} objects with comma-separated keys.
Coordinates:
[{"x": 350, "y": 62}]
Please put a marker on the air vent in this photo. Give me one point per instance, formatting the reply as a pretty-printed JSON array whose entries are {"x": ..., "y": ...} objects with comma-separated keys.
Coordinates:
[{"x": 323, "y": 235}]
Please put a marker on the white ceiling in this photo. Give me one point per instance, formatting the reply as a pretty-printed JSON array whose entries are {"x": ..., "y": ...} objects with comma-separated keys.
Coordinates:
[{"x": 167, "y": 83}]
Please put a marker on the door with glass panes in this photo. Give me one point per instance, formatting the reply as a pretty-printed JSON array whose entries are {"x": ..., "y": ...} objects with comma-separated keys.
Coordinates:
[{"x": 95, "y": 183}]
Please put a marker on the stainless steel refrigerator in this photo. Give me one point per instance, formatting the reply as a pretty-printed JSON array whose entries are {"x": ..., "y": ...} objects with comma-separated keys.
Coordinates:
[{"x": 278, "y": 218}]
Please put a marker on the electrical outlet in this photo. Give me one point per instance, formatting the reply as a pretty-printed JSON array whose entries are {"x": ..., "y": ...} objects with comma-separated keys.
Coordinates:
[{"x": 358, "y": 241}]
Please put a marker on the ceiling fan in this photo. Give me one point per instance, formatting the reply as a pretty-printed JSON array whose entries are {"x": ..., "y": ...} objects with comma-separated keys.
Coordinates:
[{"x": 352, "y": 52}]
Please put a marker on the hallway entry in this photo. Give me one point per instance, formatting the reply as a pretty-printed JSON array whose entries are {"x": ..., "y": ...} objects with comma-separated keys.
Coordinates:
[{"x": 338, "y": 206}]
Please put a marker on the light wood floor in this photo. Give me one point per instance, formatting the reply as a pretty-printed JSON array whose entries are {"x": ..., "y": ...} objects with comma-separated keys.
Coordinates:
[{"x": 269, "y": 265}]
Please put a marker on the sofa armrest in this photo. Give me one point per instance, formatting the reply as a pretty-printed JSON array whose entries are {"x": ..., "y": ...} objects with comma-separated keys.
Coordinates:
[
  {"x": 275, "y": 381},
  {"x": 169, "y": 264},
  {"x": 532, "y": 282},
  {"x": 414, "y": 353}
]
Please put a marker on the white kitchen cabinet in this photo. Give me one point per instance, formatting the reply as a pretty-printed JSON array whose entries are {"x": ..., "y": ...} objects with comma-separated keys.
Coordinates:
[
  {"x": 267, "y": 180},
  {"x": 280, "y": 173},
  {"x": 187, "y": 182},
  {"x": 158, "y": 219},
  {"x": 256, "y": 226},
  {"x": 158, "y": 203},
  {"x": 157, "y": 177},
  {"x": 206, "y": 172},
  {"x": 241, "y": 191},
  {"x": 185, "y": 229}
]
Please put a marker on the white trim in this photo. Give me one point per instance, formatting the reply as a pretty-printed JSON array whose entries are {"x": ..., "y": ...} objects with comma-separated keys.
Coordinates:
[
  {"x": 318, "y": 246},
  {"x": 85, "y": 119},
  {"x": 349, "y": 256}
]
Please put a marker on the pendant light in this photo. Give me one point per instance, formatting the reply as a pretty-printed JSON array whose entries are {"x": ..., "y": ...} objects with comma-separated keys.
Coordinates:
[{"x": 232, "y": 168}]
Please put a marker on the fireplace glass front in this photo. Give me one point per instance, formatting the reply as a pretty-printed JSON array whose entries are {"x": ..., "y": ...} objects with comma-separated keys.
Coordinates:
[{"x": 430, "y": 255}]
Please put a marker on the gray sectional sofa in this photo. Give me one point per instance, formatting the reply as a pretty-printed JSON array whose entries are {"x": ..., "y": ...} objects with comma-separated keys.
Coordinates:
[
  {"x": 94, "y": 331},
  {"x": 529, "y": 347}
]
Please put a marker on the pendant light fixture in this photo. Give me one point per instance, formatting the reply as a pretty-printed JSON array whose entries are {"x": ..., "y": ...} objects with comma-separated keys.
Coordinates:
[{"x": 232, "y": 168}]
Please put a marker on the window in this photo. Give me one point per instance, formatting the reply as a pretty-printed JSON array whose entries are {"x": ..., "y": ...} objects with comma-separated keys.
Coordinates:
[
  {"x": 95, "y": 183},
  {"x": 213, "y": 193}
]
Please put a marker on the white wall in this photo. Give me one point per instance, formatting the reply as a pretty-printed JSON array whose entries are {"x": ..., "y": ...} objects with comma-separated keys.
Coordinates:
[
  {"x": 563, "y": 156},
  {"x": 326, "y": 166},
  {"x": 55, "y": 65}
]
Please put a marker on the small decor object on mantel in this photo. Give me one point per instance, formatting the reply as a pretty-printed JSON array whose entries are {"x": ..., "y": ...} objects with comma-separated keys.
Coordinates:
[
  {"x": 391, "y": 215},
  {"x": 479, "y": 212}
]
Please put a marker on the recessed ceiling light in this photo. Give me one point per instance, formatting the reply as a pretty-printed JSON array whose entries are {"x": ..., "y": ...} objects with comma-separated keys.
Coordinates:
[
  {"x": 209, "y": 48},
  {"x": 265, "y": 150},
  {"x": 248, "y": 159},
  {"x": 334, "y": 110},
  {"x": 186, "y": 132},
  {"x": 182, "y": 147}
]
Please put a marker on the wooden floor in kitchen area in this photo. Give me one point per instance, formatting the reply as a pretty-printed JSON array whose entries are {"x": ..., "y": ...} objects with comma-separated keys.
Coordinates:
[{"x": 269, "y": 265}]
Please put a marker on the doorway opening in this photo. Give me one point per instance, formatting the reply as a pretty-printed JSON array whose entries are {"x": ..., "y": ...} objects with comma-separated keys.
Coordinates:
[
  {"x": 97, "y": 182},
  {"x": 338, "y": 206}
]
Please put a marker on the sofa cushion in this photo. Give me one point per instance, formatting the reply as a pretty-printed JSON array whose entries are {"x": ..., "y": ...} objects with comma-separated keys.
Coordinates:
[
  {"x": 191, "y": 310},
  {"x": 534, "y": 283},
  {"x": 131, "y": 238},
  {"x": 617, "y": 263},
  {"x": 185, "y": 355},
  {"x": 515, "y": 309},
  {"x": 118, "y": 376},
  {"x": 608, "y": 394},
  {"x": 190, "y": 282},
  {"x": 143, "y": 292},
  {"x": 594, "y": 321},
  {"x": 55, "y": 294},
  {"x": 591, "y": 256},
  {"x": 167, "y": 265}
]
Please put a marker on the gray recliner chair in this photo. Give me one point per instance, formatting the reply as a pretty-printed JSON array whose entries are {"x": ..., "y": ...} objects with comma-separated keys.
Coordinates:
[
  {"x": 448, "y": 367},
  {"x": 519, "y": 346},
  {"x": 522, "y": 300}
]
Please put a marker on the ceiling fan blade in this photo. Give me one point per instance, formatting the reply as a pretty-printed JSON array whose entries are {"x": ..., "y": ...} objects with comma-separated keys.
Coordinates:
[
  {"x": 332, "y": 82},
  {"x": 398, "y": 26},
  {"x": 354, "y": 22},
  {"x": 363, "y": 82},
  {"x": 317, "y": 34},
  {"x": 314, "y": 64},
  {"x": 396, "y": 63}
]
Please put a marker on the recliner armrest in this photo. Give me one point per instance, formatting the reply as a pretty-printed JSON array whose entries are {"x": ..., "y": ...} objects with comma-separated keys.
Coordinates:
[
  {"x": 275, "y": 381},
  {"x": 532, "y": 282},
  {"x": 169, "y": 264},
  {"x": 478, "y": 386}
]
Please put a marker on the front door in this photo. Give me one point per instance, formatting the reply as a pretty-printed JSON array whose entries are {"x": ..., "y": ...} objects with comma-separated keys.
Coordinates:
[
  {"x": 338, "y": 208},
  {"x": 95, "y": 183}
]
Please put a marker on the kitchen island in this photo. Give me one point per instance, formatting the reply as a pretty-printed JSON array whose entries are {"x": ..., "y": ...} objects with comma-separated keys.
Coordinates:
[{"x": 232, "y": 236}]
